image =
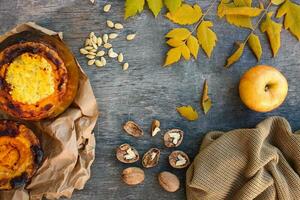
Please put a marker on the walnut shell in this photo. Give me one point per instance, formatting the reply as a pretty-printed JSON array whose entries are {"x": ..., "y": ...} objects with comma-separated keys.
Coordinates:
[
  {"x": 133, "y": 129},
  {"x": 169, "y": 141},
  {"x": 133, "y": 175},
  {"x": 124, "y": 156},
  {"x": 151, "y": 158},
  {"x": 169, "y": 181},
  {"x": 155, "y": 127},
  {"x": 177, "y": 158}
]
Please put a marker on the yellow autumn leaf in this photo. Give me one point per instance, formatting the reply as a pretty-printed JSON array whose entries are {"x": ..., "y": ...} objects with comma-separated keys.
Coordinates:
[
  {"x": 239, "y": 3},
  {"x": 273, "y": 30},
  {"x": 236, "y": 55},
  {"x": 132, "y": 7},
  {"x": 255, "y": 45},
  {"x": 185, "y": 14},
  {"x": 205, "y": 101},
  {"x": 277, "y": 2},
  {"x": 261, "y": 5},
  {"x": 240, "y": 21},
  {"x": 179, "y": 33},
  {"x": 185, "y": 52},
  {"x": 188, "y": 112},
  {"x": 173, "y": 56},
  {"x": 155, "y": 6},
  {"x": 206, "y": 37},
  {"x": 237, "y": 20},
  {"x": 173, "y": 42},
  {"x": 193, "y": 45},
  {"x": 242, "y": 11},
  {"x": 173, "y": 5},
  {"x": 292, "y": 17}
]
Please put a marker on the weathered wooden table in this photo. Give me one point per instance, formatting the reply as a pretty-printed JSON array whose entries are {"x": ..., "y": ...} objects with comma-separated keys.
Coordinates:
[{"x": 147, "y": 91}]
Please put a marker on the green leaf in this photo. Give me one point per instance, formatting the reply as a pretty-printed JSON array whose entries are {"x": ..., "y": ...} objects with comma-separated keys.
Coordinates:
[
  {"x": 155, "y": 6},
  {"x": 132, "y": 7}
]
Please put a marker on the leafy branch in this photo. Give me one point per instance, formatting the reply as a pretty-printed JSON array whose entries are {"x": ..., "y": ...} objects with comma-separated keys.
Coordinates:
[
  {"x": 258, "y": 22},
  {"x": 188, "y": 43},
  {"x": 254, "y": 42},
  {"x": 271, "y": 28},
  {"x": 212, "y": 3},
  {"x": 239, "y": 13}
]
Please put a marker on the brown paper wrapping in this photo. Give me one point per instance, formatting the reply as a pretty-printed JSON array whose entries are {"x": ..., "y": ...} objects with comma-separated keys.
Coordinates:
[{"x": 68, "y": 142}]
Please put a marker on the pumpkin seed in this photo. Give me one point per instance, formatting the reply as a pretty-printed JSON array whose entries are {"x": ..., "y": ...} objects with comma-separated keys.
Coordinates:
[
  {"x": 92, "y": 34},
  {"x": 107, "y": 45},
  {"x": 125, "y": 66},
  {"x": 98, "y": 63},
  {"x": 110, "y": 24},
  {"x": 87, "y": 42},
  {"x": 119, "y": 26},
  {"x": 92, "y": 53},
  {"x": 88, "y": 48},
  {"x": 83, "y": 51},
  {"x": 130, "y": 37},
  {"x": 91, "y": 62},
  {"x": 94, "y": 39},
  {"x": 95, "y": 46},
  {"x": 100, "y": 53},
  {"x": 111, "y": 53},
  {"x": 90, "y": 56},
  {"x": 112, "y": 35},
  {"x": 93, "y": 50},
  {"x": 103, "y": 60},
  {"x": 107, "y": 7},
  {"x": 99, "y": 41},
  {"x": 120, "y": 57},
  {"x": 105, "y": 38}
]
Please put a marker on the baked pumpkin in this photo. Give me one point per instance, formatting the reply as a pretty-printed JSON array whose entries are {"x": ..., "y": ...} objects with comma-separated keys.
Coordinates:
[
  {"x": 20, "y": 154},
  {"x": 38, "y": 76}
]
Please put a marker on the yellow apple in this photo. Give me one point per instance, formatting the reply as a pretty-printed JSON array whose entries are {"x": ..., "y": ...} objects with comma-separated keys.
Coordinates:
[{"x": 263, "y": 88}]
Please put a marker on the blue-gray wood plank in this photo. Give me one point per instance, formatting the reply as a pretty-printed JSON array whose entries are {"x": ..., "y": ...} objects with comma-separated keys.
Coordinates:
[{"x": 147, "y": 91}]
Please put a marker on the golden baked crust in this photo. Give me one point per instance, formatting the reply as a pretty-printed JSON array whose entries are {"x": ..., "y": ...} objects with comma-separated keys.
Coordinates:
[
  {"x": 36, "y": 80},
  {"x": 20, "y": 154}
]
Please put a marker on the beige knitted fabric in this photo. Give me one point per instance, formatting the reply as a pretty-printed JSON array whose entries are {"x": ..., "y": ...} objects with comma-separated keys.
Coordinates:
[{"x": 261, "y": 164}]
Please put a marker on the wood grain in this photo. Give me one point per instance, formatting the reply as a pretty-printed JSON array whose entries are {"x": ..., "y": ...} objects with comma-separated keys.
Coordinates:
[{"x": 147, "y": 91}]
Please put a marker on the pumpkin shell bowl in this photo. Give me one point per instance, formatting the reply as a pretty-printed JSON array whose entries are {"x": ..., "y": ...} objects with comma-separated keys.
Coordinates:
[
  {"x": 20, "y": 154},
  {"x": 38, "y": 76}
]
